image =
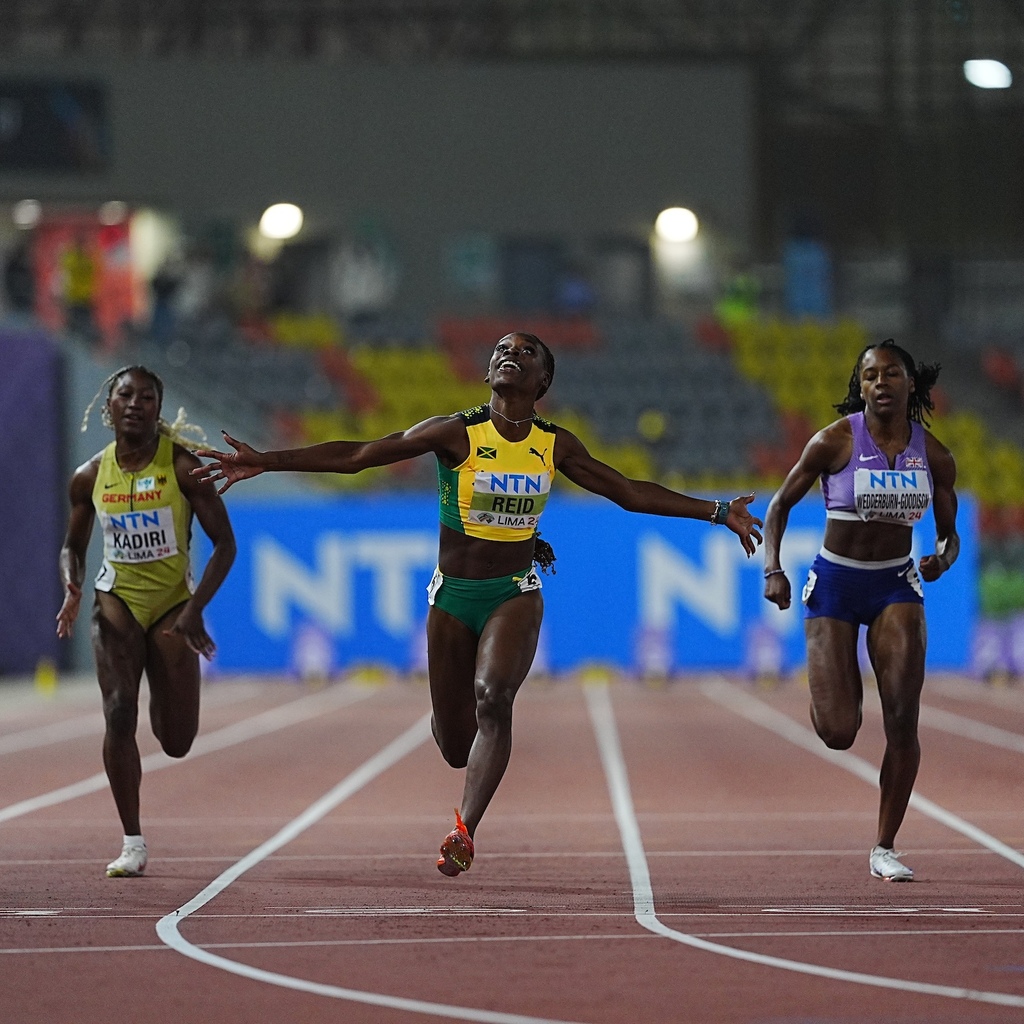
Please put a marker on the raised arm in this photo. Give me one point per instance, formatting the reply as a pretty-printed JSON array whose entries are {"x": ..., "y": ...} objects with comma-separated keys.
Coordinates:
[
  {"x": 209, "y": 509},
  {"x": 445, "y": 436},
  {"x": 76, "y": 544},
  {"x": 828, "y": 451},
  {"x": 576, "y": 463},
  {"x": 947, "y": 540}
]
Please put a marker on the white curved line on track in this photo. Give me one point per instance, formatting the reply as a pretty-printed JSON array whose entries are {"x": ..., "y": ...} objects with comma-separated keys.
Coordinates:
[
  {"x": 269, "y": 721},
  {"x": 167, "y": 927},
  {"x": 603, "y": 718},
  {"x": 762, "y": 714}
]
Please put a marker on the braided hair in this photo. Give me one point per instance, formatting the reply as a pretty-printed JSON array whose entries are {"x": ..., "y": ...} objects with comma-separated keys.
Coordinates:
[
  {"x": 924, "y": 375},
  {"x": 177, "y": 431}
]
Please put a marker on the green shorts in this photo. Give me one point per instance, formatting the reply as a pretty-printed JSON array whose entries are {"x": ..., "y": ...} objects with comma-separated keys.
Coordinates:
[{"x": 473, "y": 601}]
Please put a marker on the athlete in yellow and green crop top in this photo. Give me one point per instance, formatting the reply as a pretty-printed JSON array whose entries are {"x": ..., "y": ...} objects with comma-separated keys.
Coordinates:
[
  {"x": 147, "y": 616},
  {"x": 495, "y": 467},
  {"x": 146, "y": 524}
]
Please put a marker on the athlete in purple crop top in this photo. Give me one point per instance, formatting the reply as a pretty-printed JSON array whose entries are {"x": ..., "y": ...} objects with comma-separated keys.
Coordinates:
[{"x": 880, "y": 470}]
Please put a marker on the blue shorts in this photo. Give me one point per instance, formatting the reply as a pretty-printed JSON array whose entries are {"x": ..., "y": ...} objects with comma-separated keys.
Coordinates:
[{"x": 856, "y": 594}]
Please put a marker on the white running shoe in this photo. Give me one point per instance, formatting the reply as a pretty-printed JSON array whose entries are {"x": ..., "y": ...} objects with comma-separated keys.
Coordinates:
[
  {"x": 885, "y": 864},
  {"x": 131, "y": 863}
]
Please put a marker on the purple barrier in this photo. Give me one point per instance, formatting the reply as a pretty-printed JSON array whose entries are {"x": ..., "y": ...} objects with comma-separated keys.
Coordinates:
[{"x": 32, "y": 505}]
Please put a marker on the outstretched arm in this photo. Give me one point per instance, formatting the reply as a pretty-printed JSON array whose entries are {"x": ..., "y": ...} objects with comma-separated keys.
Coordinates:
[
  {"x": 947, "y": 540},
  {"x": 440, "y": 434},
  {"x": 76, "y": 543},
  {"x": 578, "y": 465}
]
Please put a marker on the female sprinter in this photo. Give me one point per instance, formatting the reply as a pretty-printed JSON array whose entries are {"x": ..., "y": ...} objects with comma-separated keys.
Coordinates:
[
  {"x": 880, "y": 470},
  {"x": 147, "y": 614},
  {"x": 485, "y": 601}
]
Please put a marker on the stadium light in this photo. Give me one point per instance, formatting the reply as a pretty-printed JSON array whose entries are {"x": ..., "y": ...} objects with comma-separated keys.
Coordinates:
[
  {"x": 26, "y": 213},
  {"x": 988, "y": 74},
  {"x": 281, "y": 221},
  {"x": 676, "y": 224},
  {"x": 113, "y": 212}
]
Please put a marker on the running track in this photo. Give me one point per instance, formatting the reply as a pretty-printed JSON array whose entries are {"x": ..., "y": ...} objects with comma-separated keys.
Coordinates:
[{"x": 688, "y": 854}]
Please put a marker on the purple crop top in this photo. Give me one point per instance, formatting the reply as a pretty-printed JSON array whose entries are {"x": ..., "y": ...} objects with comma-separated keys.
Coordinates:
[{"x": 867, "y": 490}]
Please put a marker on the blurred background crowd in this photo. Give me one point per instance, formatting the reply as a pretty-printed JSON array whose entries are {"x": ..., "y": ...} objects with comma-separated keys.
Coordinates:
[{"x": 314, "y": 219}]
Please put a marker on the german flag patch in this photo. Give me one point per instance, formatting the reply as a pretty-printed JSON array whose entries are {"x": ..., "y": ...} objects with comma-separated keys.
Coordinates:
[{"x": 486, "y": 453}]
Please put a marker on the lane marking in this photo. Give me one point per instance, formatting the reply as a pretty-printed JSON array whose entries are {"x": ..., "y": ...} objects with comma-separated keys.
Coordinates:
[
  {"x": 265, "y": 722},
  {"x": 46, "y": 735},
  {"x": 762, "y": 714},
  {"x": 602, "y": 716},
  {"x": 970, "y": 728},
  {"x": 167, "y": 927},
  {"x": 474, "y": 939}
]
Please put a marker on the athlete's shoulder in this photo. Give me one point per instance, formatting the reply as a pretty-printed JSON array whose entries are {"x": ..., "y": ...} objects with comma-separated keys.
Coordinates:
[
  {"x": 477, "y": 414},
  {"x": 542, "y": 424}
]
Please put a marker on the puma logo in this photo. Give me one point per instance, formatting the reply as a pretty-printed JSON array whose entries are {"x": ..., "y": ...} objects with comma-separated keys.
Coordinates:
[{"x": 533, "y": 451}]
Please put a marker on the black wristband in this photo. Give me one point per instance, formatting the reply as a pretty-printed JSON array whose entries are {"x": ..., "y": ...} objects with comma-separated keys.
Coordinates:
[{"x": 721, "y": 513}]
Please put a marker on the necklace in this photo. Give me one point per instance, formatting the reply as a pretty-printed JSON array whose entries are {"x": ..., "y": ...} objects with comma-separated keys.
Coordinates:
[{"x": 508, "y": 419}]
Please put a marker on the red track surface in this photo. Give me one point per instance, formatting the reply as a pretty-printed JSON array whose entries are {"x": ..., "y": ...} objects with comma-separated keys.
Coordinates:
[{"x": 750, "y": 842}]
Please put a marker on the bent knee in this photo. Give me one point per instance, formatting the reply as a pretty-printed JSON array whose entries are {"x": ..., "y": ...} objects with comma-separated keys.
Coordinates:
[
  {"x": 177, "y": 746},
  {"x": 836, "y": 737}
]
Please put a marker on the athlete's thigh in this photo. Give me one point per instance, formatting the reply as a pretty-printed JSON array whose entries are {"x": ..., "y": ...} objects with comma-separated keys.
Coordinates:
[
  {"x": 833, "y": 672},
  {"x": 172, "y": 669},
  {"x": 451, "y": 663},
  {"x": 508, "y": 643},
  {"x": 119, "y": 647},
  {"x": 897, "y": 641}
]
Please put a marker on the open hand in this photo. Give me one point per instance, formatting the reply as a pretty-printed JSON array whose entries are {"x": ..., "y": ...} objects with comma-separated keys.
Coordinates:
[
  {"x": 743, "y": 524},
  {"x": 189, "y": 626},
  {"x": 241, "y": 464},
  {"x": 69, "y": 610}
]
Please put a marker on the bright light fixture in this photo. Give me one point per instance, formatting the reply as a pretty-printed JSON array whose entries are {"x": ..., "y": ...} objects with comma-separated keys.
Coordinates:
[
  {"x": 113, "y": 212},
  {"x": 281, "y": 221},
  {"x": 26, "y": 213},
  {"x": 676, "y": 224},
  {"x": 988, "y": 74}
]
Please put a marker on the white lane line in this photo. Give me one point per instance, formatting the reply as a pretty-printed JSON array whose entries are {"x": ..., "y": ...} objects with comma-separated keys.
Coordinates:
[
  {"x": 57, "y": 732},
  {"x": 762, "y": 714},
  {"x": 167, "y": 927},
  {"x": 476, "y": 939},
  {"x": 265, "y": 722},
  {"x": 970, "y": 728},
  {"x": 603, "y": 718}
]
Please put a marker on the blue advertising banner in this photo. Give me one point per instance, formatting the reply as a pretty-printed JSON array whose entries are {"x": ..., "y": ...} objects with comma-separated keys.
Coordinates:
[{"x": 331, "y": 583}]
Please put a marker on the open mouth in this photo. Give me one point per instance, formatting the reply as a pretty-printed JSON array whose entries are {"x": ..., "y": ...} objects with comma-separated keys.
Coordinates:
[{"x": 509, "y": 364}]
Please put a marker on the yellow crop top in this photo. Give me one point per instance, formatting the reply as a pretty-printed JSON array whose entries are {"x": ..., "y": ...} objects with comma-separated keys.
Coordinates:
[
  {"x": 500, "y": 491},
  {"x": 146, "y": 524}
]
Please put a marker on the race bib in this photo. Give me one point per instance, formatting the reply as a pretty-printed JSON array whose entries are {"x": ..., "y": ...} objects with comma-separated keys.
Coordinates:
[
  {"x": 892, "y": 495},
  {"x": 139, "y": 536},
  {"x": 512, "y": 501}
]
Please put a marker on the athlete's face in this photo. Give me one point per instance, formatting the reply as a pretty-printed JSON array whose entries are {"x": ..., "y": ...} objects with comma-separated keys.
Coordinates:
[
  {"x": 519, "y": 362},
  {"x": 134, "y": 405},
  {"x": 885, "y": 384}
]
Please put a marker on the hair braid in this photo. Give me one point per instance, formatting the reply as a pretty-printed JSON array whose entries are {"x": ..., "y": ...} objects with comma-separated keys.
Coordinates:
[{"x": 544, "y": 555}]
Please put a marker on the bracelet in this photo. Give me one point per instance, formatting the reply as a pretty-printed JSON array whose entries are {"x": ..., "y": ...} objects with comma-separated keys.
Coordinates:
[
  {"x": 773, "y": 572},
  {"x": 721, "y": 513}
]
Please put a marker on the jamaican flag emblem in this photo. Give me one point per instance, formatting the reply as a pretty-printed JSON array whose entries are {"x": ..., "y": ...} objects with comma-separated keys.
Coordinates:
[{"x": 483, "y": 452}]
